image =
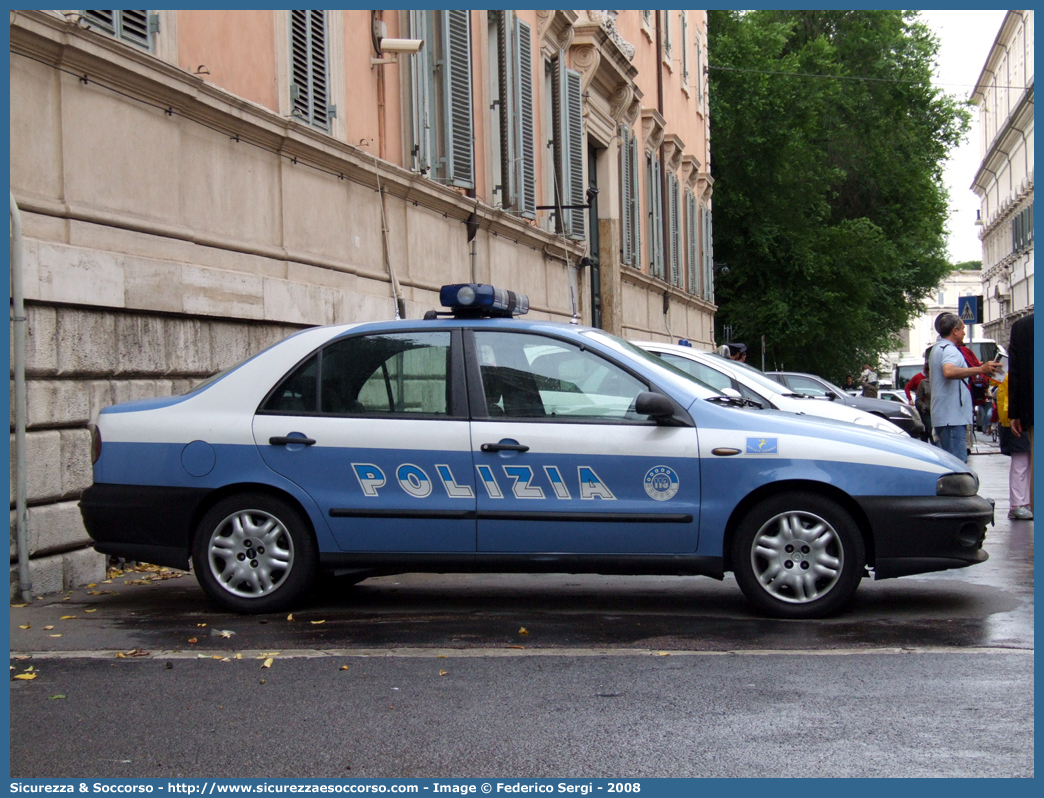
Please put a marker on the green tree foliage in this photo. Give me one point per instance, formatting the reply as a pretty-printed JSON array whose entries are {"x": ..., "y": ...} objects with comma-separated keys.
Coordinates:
[{"x": 828, "y": 145}]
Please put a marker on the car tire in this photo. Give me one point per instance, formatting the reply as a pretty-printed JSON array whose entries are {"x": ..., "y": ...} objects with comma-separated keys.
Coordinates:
[
  {"x": 254, "y": 553},
  {"x": 798, "y": 555}
]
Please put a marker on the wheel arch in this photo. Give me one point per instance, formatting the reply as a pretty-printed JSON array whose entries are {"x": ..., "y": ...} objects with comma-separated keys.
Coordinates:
[
  {"x": 246, "y": 487},
  {"x": 758, "y": 495}
]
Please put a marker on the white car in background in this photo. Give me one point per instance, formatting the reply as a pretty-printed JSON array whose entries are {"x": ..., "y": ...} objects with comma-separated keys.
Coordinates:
[{"x": 721, "y": 373}]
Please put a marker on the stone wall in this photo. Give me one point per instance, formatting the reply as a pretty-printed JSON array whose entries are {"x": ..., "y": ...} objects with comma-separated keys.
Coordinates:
[{"x": 78, "y": 361}]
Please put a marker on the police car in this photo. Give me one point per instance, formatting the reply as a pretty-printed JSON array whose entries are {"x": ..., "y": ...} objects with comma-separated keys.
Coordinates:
[{"x": 475, "y": 441}]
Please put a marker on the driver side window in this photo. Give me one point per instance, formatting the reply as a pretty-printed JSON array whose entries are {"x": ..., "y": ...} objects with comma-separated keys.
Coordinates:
[{"x": 537, "y": 377}]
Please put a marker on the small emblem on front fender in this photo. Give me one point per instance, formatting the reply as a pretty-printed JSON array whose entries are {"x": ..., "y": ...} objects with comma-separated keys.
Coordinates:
[{"x": 762, "y": 446}]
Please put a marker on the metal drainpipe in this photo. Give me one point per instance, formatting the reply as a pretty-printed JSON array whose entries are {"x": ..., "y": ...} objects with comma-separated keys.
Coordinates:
[{"x": 25, "y": 584}]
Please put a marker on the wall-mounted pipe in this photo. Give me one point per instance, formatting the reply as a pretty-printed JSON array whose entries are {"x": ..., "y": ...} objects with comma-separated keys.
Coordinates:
[{"x": 18, "y": 319}]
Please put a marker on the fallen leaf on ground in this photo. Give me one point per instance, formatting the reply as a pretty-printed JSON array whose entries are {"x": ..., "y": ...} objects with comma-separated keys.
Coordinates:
[
  {"x": 48, "y": 628},
  {"x": 19, "y": 605},
  {"x": 663, "y": 653},
  {"x": 261, "y": 682},
  {"x": 290, "y": 617},
  {"x": 193, "y": 640},
  {"x": 200, "y": 624},
  {"x": 54, "y": 697},
  {"x": 92, "y": 584},
  {"x": 25, "y": 676},
  {"x": 443, "y": 673},
  {"x": 267, "y": 663},
  {"x": 120, "y": 655},
  {"x": 25, "y": 626},
  {"x": 522, "y": 647},
  {"x": 67, "y": 618},
  {"x": 239, "y": 656},
  {"x": 54, "y": 635},
  {"x": 226, "y": 633},
  {"x": 138, "y": 652},
  {"x": 92, "y": 609},
  {"x": 316, "y": 623},
  {"x": 344, "y": 667},
  {"x": 523, "y": 631},
  {"x": 225, "y": 659}
]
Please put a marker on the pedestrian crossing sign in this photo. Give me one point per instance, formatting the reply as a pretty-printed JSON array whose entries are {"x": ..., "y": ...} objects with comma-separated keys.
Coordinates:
[{"x": 969, "y": 308}]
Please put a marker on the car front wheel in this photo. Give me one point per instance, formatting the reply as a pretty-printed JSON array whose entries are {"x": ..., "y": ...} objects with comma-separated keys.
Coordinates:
[
  {"x": 254, "y": 553},
  {"x": 798, "y": 555}
]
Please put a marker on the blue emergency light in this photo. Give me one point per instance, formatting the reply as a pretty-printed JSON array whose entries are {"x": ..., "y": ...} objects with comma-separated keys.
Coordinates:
[{"x": 475, "y": 299}]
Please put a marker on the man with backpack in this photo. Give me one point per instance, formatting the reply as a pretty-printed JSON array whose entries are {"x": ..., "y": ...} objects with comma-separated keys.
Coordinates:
[{"x": 951, "y": 398}]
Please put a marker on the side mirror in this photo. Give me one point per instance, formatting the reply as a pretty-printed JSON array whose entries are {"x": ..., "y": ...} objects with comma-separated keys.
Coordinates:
[
  {"x": 654, "y": 405},
  {"x": 832, "y": 396}
]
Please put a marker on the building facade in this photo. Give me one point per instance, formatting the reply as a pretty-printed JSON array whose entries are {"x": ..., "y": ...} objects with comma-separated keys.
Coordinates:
[
  {"x": 1004, "y": 182},
  {"x": 195, "y": 185}
]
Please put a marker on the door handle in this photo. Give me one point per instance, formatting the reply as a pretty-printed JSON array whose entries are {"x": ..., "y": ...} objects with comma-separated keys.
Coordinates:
[
  {"x": 283, "y": 441},
  {"x": 504, "y": 447}
]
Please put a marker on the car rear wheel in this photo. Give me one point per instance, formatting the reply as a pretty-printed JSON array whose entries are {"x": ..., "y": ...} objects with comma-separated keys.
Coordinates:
[
  {"x": 254, "y": 553},
  {"x": 798, "y": 555}
]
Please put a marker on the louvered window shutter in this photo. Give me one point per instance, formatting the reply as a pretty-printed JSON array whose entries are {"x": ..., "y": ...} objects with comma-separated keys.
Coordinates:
[
  {"x": 685, "y": 46},
  {"x": 309, "y": 94},
  {"x": 626, "y": 189},
  {"x": 655, "y": 217},
  {"x": 699, "y": 71},
  {"x": 526, "y": 147},
  {"x": 674, "y": 228},
  {"x": 667, "y": 32},
  {"x": 708, "y": 241},
  {"x": 558, "y": 126},
  {"x": 575, "y": 149},
  {"x": 134, "y": 27},
  {"x": 636, "y": 217},
  {"x": 691, "y": 244},
  {"x": 505, "y": 108},
  {"x": 422, "y": 92},
  {"x": 456, "y": 49}
]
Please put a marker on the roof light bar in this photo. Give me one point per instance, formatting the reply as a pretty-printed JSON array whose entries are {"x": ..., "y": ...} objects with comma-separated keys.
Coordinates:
[{"x": 475, "y": 299}]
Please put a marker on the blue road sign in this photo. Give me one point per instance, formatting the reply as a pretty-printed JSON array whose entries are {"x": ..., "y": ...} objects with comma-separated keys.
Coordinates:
[{"x": 969, "y": 308}]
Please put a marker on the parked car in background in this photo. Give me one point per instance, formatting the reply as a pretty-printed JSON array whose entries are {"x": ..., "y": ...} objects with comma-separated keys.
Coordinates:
[
  {"x": 474, "y": 441},
  {"x": 902, "y": 415},
  {"x": 754, "y": 386},
  {"x": 893, "y": 396}
]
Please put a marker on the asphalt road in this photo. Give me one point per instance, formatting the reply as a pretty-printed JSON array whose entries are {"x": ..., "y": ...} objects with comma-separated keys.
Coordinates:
[{"x": 535, "y": 675}]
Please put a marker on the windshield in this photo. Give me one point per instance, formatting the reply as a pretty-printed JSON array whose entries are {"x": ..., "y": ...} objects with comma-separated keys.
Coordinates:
[
  {"x": 704, "y": 390},
  {"x": 757, "y": 377}
]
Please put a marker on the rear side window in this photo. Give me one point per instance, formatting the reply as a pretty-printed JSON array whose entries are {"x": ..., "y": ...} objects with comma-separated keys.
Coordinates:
[{"x": 401, "y": 373}]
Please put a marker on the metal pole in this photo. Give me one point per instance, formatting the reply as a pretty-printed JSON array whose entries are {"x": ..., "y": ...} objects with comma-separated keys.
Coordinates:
[{"x": 25, "y": 584}]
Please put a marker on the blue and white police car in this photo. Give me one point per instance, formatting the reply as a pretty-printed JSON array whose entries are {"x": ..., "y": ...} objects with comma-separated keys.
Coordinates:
[{"x": 475, "y": 441}]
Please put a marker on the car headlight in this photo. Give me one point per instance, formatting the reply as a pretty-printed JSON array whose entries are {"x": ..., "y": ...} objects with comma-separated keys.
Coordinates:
[{"x": 957, "y": 485}]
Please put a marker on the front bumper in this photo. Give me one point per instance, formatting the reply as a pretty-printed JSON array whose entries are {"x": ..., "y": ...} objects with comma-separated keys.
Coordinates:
[
  {"x": 918, "y": 534},
  {"x": 141, "y": 522}
]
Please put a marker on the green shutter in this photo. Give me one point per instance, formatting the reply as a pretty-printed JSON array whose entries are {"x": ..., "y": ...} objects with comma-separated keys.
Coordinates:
[
  {"x": 309, "y": 94},
  {"x": 626, "y": 206},
  {"x": 526, "y": 147},
  {"x": 691, "y": 244},
  {"x": 422, "y": 92},
  {"x": 674, "y": 229},
  {"x": 505, "y": 107},
  {"x": 655, "y": 179},
  {"x": 685, "y": 46},
  {"x": 636, "y": 216},
  {"x": 558, "y": 136},
  {"x": 576, "y": 226},
  {"x": 130, "y": 26},
  {"x": 456, "y": 49}
]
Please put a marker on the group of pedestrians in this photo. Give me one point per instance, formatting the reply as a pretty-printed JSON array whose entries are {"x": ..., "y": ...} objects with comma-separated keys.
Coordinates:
[{"x": 946, "y": 392}]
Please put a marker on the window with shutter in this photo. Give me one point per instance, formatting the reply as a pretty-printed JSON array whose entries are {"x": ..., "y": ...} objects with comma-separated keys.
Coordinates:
[
  {"x": 512, "y": 93},
  {"x": 135, "y": 27},
  {"x": 685, "y": 46},
  {"x": 568, "y": 147},
  {"x": 667, "y": 34},
  {"x": 654, "y": 181},
  {"x": 699, "y": 71},
  {"x": 441, "y": 129},
  {"x": 691, "y": 242},
  {"x": 626, "y": 206},
  {"x": 309, "y": 75},
  {"x": 708, "y": 255},
  {"x": 674, "y": 229}
]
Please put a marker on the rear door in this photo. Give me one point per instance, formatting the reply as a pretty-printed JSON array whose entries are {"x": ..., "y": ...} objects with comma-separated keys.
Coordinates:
[
  {"x": 374, "y": 427},
  {"x": 563, "y": 462}
]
